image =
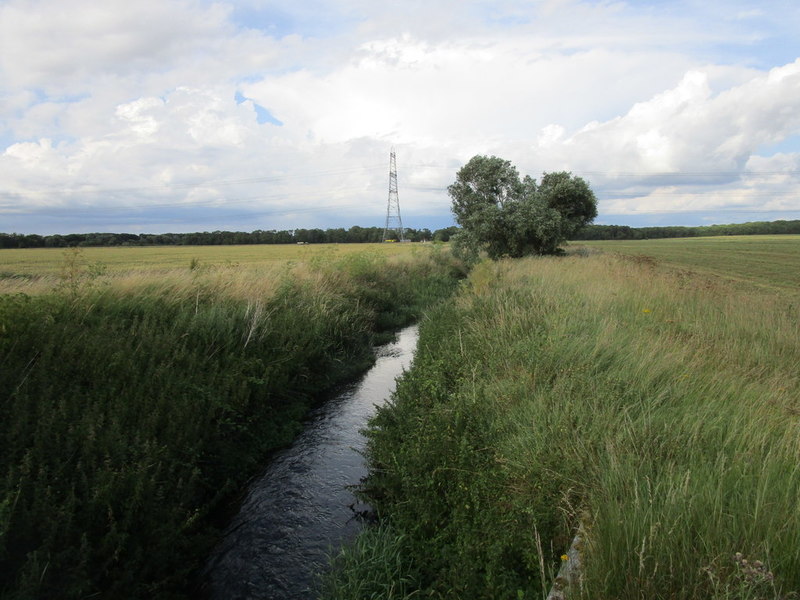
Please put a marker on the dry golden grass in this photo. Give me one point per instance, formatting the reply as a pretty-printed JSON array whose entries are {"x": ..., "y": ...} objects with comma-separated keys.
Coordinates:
[{"x": 241, "y": 270}]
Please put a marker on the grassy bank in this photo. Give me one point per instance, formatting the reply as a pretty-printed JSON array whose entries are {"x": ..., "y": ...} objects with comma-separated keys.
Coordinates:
[
  {"x": 134, "y": 405},
  {"x": 656, "y": 407}
]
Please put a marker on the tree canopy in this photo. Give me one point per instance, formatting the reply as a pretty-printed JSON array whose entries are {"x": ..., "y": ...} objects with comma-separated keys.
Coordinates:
[{"x": 508, "y": 216}]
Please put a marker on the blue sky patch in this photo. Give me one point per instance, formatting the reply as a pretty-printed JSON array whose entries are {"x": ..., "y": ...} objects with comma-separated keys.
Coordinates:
[
  {"x": 307, "y": 19},
  {"x": 787, "y": 146},
  {"x": 262, "y": 114}
]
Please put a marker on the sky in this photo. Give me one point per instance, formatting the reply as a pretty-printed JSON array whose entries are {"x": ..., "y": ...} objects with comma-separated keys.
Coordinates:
[{"x": 191, "y": 115}]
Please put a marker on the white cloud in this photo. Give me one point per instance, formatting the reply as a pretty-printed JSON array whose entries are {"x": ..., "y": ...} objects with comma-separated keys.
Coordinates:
[
  {"x": 138, "y": 115},
  {"x": 60, "y": 47},
  {"x": 127, "y": 106},
  {"x": 457, "y": 92},
  {"x": 688, "y": 129}
]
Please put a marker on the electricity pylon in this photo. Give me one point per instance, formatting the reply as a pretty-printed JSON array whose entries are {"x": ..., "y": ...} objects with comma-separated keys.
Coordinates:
[{"x": 393, "y": 231}]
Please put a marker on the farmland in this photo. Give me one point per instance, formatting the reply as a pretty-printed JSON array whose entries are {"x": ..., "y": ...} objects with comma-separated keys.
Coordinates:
[
  {"x": 645, "y": 392},
  {"x": 48, "y": 260},
  {"x": 247, "y": 268},
  {"x": 769, "y": 261}
]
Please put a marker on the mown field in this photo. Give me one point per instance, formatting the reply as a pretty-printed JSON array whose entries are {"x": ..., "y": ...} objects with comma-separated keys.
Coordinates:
[
  {"x": 653, "y": 404},
  {"x": 140, "y": 388},
  {"x": 771, "y": 261}
]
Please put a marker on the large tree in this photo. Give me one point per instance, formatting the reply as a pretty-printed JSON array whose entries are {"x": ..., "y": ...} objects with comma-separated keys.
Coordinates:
[{"x": 507, "y": 216}]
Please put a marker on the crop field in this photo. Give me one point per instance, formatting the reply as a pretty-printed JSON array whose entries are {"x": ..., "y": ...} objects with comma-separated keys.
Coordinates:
[
  {"x": 771, "y": 261},
  {"x": 39, "y": 261},
  {"x": 36, "y": 270}
]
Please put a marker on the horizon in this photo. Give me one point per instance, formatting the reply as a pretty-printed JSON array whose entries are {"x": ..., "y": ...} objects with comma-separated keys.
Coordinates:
[{"x": 416, "y": 229}]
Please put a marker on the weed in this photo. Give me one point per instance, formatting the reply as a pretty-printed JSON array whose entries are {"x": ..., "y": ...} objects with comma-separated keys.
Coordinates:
[
  {"x": 131, "y": 412},
  {"x": 655, "y": 407}
]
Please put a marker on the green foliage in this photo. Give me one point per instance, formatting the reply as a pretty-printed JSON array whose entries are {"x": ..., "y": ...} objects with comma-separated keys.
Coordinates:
[
  {"x": 376, "y": 566},
  {"x": 127, "y": 420},
  {"x": 438, "y": 479},
  {"x": 506, "y": 216},
  {"x": 76, "y": 276},
  {"x": 656, "y": 408}
]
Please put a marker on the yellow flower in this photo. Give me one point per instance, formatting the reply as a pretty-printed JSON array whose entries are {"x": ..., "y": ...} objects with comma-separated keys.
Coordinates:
[
  {"x": 564, "y": 557},
  {"x": 646, "y": 310}
]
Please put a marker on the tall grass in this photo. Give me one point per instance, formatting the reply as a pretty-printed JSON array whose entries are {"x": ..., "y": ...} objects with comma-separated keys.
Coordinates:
[
  {"x": 658, "y": 409},
  {"x": 133, "y": 408}
]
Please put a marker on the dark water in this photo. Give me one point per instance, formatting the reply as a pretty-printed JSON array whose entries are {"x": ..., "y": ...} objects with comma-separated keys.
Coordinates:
[{"x": 301, "y": 507}]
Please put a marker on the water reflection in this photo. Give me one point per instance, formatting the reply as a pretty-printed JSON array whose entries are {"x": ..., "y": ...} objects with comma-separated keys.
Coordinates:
[{"x": 300, "y": 506}]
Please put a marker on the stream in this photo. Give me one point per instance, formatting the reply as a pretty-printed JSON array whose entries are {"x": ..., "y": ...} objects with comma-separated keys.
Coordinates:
[{"x": 301, "y": 508}]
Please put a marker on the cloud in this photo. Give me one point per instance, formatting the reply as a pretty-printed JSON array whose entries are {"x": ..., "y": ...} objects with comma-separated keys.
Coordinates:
[
  {"x": 60, "y": 47},
  {"x": 283, "y": 114},
  {"x": 463, "y": 92},
  {"x": 691, "y": 139}
]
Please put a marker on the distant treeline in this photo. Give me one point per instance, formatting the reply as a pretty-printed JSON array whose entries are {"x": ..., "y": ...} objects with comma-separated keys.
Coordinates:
[
  {"x": 623, "y": 232},
  {"x": 360, "y": 235},
  {"x": 339, "y": 235}
]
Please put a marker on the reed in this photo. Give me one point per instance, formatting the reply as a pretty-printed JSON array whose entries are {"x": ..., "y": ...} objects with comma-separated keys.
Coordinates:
[
  {"x": 657, "y": 407},
  {"x": 135, "y": 405}
]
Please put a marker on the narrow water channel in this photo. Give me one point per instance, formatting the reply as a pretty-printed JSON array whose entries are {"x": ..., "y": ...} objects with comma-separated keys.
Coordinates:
[{"x": 301, "y": 506}]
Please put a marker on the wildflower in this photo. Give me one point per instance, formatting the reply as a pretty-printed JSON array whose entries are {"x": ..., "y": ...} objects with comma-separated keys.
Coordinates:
[
  {"x": 646, "y": 310},
  {"x": 564, "y": 557}
]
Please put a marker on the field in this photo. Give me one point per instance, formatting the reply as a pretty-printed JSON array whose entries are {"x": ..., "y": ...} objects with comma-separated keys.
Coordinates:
[
  {"x": 41, "y": 270},
  {"x": 653, "y": 405},
  {"x": 39, "y": 261},
  {"x": 771, "y": 261},
  {"x": 140, "y": 388},
  {"x": 644, "y": 392}
]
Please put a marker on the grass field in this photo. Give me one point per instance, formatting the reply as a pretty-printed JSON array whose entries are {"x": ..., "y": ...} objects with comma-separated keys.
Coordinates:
[
  {"x": 36, "y": 270},
  {"x": 655, "y": 401},
  {"x": 137, "y": 398},
  {"x": 648, "y": 391},
  {"x": 771, "y": 261},
  {"x": 40, "y": 261}
]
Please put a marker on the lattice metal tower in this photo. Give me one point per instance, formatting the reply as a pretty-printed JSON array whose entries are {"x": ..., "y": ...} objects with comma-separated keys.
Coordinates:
[{"x": 394, "y": 224}]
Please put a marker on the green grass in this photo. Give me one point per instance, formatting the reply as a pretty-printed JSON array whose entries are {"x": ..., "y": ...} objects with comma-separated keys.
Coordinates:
[
  {"x": 765, "y": 260},
  {"x": 133, "y": 409},
  {"x": 654, "y": 405},
  {"x": 374, "y": 567}
]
